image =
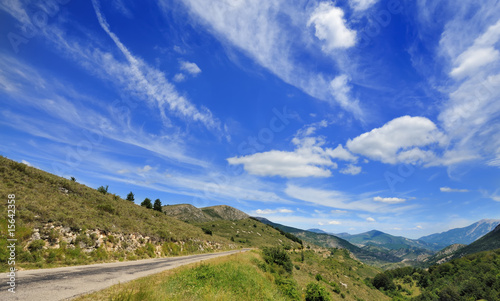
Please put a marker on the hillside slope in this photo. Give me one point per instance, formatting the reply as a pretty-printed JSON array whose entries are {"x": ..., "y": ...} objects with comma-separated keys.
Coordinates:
[
  {"x": 387, "y": 241},
  {"x": 190, "y": 213},
  {"x": 331, "y": 241},
  {"x": 490, "y": 241},
  {"x": 59, "y": 221},
  {"x": 465, "y": 235}
]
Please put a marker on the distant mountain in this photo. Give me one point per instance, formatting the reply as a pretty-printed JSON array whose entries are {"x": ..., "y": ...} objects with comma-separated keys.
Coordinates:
[
  {"x": 190, "y": 213},
  {"x": 331, "y": 241},
  {"x": 317, "y": 231},
  {"x": 464, "y": 235},
  {"x": 387, "y": 241},
  {"x": 490, "y": 241},
  {"x": 444, "y": 255}
]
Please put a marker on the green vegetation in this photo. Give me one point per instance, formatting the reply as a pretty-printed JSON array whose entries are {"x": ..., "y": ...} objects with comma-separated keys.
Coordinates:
[
  {"x": 256, "y": 275},
  {"x": 130, "y": 197},
  {"x": 250, "y": 233},
  {"x": 157, "y": 205},
  {"x": 147, "y": 203},
  {"x": 102, "y": 189},
  {"x": 473, "y": 277},
  {"x": 43, "y": 198},
  {"x": 235, "y": 277}
]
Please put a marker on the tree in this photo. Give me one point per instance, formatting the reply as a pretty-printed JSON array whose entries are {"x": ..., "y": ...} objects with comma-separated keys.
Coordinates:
[
  {"x": 130, "y": 197},
  {"x": 103, "y": 189},
  {"x": 147, "y": 203},
  {"x": 73, "y": 179},
  {"x": 157, "y": 205},
  {"x": 315, "y": 292},
  {"x": 382, "y": 280}
]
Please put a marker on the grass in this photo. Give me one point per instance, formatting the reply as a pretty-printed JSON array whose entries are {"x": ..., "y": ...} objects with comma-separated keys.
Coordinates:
[
  {"x": 249, "y": 233},
  {"x": 234, "y": 277},
  {"x": 247, "y": 276},
  {"x": 45, "y": 198}
]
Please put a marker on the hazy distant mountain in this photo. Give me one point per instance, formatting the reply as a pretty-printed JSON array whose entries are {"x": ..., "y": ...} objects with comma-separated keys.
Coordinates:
[
  {"x": 331, "y": 241},
  {"x": 387, "y": 241},
  {"x": 464, "y": 235},
  {"x": 490, "y": 241},
  {"x": 317, "y": 231}
]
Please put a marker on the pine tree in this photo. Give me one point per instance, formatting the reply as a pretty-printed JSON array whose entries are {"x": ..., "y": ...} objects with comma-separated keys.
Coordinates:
[
  {"x": 147, "y": 203},
  {"x": 157, "y": 205},
  {"x": 130, "y": 197}
]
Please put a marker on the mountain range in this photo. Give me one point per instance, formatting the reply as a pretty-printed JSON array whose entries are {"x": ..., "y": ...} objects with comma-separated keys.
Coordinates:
[{"x": 465, "y": 235}]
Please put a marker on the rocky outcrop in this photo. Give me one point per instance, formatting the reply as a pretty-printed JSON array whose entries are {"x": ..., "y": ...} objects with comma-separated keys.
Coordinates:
[{"x": 90, "y": 240}]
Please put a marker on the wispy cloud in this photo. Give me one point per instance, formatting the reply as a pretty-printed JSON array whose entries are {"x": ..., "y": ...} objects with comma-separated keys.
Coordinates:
[
  {"x": 389, "y": 200},
  {"x": 448, "y": 189},
  {"x": 272, "y": 43}
]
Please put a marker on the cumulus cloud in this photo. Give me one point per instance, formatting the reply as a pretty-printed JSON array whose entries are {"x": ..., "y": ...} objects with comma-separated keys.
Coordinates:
[
  {"x": 179, "y": 77},
  {"x": 144, "y": 169},
  {"x": 334, "y": 222},
  {"x": 330, "y": 27},
  {"x": 309, "y": 159},
  {"x": 370, "y": 219},
  {"x": 389, "y": 200},
  {"x": 448, "y": 189},
  {"x": 26, "y": 162},
  {"x": 399, "y": 140}
]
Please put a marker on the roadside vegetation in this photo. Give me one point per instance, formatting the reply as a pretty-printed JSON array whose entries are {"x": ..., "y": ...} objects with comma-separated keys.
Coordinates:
[
  {"x": 268, "y": 274},
  {"x": 473, "y": 277}
]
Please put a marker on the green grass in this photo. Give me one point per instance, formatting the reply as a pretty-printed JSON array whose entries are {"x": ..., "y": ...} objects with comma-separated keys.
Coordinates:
[
  {"x": 235, "y": 277},
  {"x": 249, "y": 233},
  {"x": 42, "y": 198}
]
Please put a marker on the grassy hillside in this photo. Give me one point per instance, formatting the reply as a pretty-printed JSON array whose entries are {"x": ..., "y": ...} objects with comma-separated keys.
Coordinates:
[
  {"x": 187, "y": 212},
  {"x": 42, "y": 198},
  {"x": 249, "y": 233},
  {"x": 443, "y": 255},
  {"x": 256, "y": 276},
  {"x": 387, "y": 241}
]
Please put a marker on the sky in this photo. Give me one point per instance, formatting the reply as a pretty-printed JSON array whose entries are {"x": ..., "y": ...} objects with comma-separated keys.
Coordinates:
[{"x": 345, "y": 116}]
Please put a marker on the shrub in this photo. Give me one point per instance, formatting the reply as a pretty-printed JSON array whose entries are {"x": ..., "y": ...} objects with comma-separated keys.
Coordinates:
[
  {"x": 315, "y": 292},
  {"x": 36, "y": 245},
  {"x": 383, "y": 281},
  {"x": 147, "y": 203},
  {"x": 278, "y": 256},
  {"x": 103, "y": 190},
  {"x": 207, "y": 231}
]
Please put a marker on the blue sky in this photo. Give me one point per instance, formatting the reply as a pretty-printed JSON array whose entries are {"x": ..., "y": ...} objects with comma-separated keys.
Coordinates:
[{"x": 341, "y": 115}]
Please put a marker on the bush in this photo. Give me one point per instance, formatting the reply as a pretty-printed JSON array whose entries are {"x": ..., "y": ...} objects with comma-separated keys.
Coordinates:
[
  {"x": 103, "y": 190},
  {"x": 207, "y": 231},
  {"x": 315, "y": 292},
  {"x": 383, "y": 281},
  {"x": 278, "y": 256},
  {"x": 147, "y": 203},
  {"x": 130, "y": 197},
  {"x": 36, "y": 245}
]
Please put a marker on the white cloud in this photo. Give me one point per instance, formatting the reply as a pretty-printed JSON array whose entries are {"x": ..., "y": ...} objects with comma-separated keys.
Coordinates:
[
  {"x": 330, "y": 27},
  {"x": 179, "y": 77},
  {"x": 144, "y": 169},
  {"x": 123, "y": 171},
  {"x": 256, "y": 28},
  {"x": 26, "y": 162},
  {"x": 398, "y": 141},
  {"x": 448, "y": 189},
  {"x": 361, "y": 5},
  {"x": 389, "y": 200},
  {"x": 351, "y": 170},
  {"x": 334, "y": 222},
  {"x": 309, "y": 159},
  {"x": 190, "y": 68},
  {"x": 370, "y": 219},
  {"x": 341, "y": 91},
  {"x": 145, "y": 81},
  {"x": 473, "y": 59},
  {"x": 271, "y": 211},
  {"x": 338, "y": 211}
]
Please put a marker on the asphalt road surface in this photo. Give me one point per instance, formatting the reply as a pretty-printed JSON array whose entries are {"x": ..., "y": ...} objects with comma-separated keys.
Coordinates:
[{"x": 69, "y": 282}]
